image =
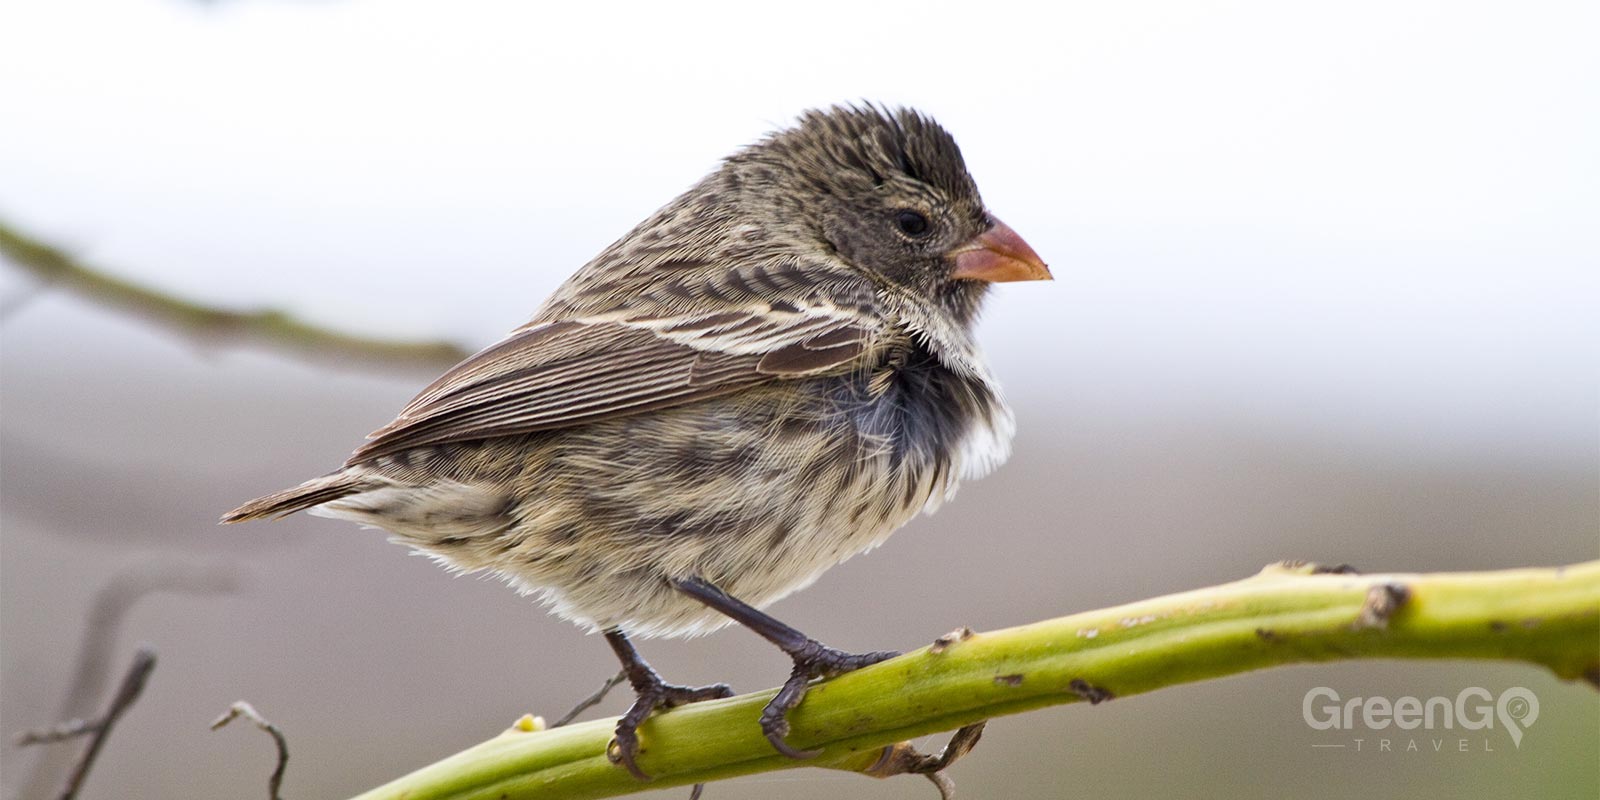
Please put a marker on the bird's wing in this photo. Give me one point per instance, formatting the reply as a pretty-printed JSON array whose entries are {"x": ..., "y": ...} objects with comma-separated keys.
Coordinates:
[{"x": 560, "y": 373}]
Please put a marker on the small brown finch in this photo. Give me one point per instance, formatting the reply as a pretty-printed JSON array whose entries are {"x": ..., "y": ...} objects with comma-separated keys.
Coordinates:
[{"x": 769, "y": 375}]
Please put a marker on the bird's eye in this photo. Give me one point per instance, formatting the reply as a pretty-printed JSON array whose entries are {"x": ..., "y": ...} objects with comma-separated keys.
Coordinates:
[{"x": 911, "y": 223}]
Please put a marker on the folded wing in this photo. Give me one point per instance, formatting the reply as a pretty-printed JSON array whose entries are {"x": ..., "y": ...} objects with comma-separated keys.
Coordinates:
[{"x": 562, "y": 373}]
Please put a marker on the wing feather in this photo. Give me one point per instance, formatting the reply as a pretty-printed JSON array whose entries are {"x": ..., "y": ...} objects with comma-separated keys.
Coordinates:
[{"x": 571, "y": 372}]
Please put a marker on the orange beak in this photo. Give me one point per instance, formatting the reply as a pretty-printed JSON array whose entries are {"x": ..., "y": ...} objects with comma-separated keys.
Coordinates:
[{"x": 997, "y": 255}]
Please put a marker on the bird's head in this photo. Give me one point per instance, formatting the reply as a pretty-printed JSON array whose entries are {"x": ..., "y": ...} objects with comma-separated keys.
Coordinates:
[{"x": 887, "y": 192}]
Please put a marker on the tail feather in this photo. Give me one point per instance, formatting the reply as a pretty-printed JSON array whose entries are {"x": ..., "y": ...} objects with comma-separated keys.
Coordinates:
[{"x": 314, "y": 492}]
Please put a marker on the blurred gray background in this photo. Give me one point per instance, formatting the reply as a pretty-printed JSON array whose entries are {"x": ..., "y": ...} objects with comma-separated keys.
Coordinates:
[{"x": 1326, "y": 289}]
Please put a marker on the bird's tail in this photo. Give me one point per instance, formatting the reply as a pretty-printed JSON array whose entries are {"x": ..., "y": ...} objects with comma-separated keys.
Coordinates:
[{"x": 314, "y": 492}]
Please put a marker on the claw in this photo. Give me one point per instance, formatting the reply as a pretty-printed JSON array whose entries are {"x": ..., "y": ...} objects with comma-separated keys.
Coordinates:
[
  {"x": 814, "y": 662},
  {"x": 784, "y": 748},
  {"x": 624, "y": 746},
  {"x": 622, "y": 749}
]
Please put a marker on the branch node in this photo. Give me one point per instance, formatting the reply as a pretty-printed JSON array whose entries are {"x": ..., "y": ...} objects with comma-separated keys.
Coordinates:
[
  {"x": 1090, "y": 692},
  {"x": 950, "y": 639},
  {"x": 1296, "y": 566},
  {"x": 1336, "y": 569},
  {"x": 1383, "y": 600}
]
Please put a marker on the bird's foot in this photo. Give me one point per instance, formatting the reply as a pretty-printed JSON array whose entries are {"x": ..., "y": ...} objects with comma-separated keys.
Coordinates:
[
  {"x": 812, "y": 661},
  {"x": 653, "y": 694}
]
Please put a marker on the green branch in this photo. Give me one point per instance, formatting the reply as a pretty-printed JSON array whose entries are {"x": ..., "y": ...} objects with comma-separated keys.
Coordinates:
[
  {"x": 209, "y": 325},
  {"x": 1284, "y": 615}
]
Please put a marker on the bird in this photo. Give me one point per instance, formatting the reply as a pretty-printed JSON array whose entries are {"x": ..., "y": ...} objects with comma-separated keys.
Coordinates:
[{"x": 770, "y": 374}]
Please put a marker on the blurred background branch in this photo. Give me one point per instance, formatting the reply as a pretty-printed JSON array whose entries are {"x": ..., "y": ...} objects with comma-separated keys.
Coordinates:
[
  {"x": 1287, "y": 614},
  {"x": 92, "y": 669},
  {"x": 99, "y": 728},
  {"x": 278, "y": 330}
]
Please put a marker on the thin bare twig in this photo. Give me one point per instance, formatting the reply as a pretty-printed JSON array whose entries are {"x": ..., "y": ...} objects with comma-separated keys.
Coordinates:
[
  {"x": 244, "y": 709},
  {"x": 98, "y": 730},
  {"x": 592, "y": 700},
  {"x": 92, "y": 669},
  {"x": 71, "y": 729},
  {"x": 209, "y": 325}
]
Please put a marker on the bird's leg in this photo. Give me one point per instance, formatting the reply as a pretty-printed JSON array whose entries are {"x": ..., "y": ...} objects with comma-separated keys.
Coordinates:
[
  {"x": 653, "y": 693},
  {"x": 812, "y": 659}
]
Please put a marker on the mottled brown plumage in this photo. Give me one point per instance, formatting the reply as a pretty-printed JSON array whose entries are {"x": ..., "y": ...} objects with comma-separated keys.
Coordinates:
[{"x": 769, "y": 375}]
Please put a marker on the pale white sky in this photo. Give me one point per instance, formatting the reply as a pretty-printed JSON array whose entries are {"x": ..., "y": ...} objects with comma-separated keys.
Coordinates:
[{"x": 1375, "y": 210}]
